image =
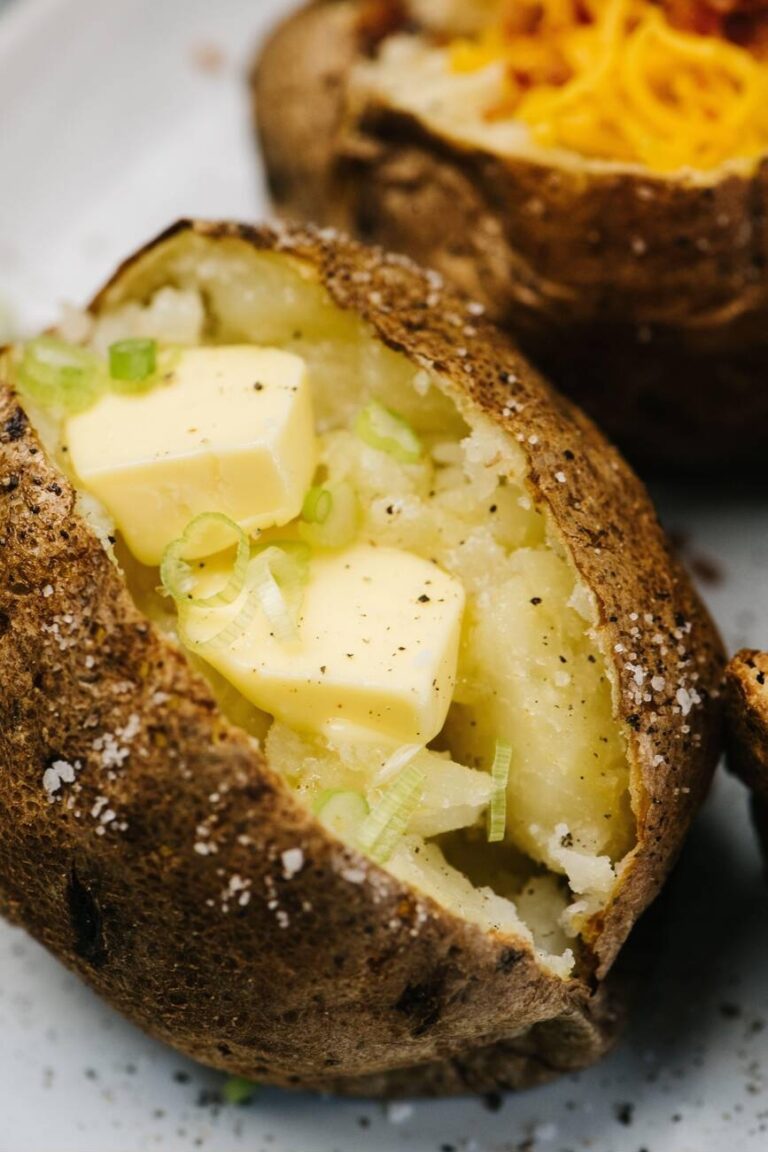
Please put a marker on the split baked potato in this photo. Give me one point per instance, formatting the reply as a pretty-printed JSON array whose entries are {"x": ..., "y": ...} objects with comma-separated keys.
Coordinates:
[
  {"x": 747, "y": 704},
  {"x": 594, "y": 173},
  {"x": 268, "y": 849}
]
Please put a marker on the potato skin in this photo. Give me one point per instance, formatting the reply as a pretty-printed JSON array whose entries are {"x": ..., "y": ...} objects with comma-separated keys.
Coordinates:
[
  {"x": 747, "y": 704},
  {"x": 644, "y": 298},
  {"x": 747, "y": 731},
  {"x": 338, "y": 977}
]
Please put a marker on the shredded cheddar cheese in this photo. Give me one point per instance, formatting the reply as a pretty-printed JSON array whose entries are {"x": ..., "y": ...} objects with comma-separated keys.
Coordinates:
[{"x": 615, "y": 79}]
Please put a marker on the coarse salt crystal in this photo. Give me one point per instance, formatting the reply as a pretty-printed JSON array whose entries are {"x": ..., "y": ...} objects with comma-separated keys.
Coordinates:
[
  {"x": 685, "y": 699},
  {"x": 398, "y": 1113},
  {"x": 293, "y": 862},
  {"x": 60, "y": 772}
]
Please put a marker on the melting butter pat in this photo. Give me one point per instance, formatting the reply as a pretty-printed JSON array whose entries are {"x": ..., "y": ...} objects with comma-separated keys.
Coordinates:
[
  {"x": 229, "y": 430},
  {"x": 375, "y": 654}
]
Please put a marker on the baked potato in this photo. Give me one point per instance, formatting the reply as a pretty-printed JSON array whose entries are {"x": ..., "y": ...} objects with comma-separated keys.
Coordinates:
[
  {"x": 288, "y": 860},
  {"x": 747, "y": 703},
  {"x": 593, "y": 173}
]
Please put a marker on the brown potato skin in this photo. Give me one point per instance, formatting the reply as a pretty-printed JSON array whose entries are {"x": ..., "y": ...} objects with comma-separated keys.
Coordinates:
[
  {"x": 646, "y": 299},
  {"x": 320, "y": 981},
  {"x": 746, "y": 697},
  {"x": 746, "y": 682}
]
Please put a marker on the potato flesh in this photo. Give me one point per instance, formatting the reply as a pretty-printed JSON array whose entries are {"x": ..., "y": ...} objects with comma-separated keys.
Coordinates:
[{"x": 545, "y": 688}]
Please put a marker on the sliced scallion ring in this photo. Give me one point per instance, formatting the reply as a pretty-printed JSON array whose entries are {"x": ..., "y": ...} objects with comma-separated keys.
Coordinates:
[
  {"x": 278, "y": 575},
  {"x": 132, "y": 361},
  {"x": 334, "y": 516},
  {"x": 342, "y": 812},
  {"x": 317, "y": 506},
  {"x": 386, "y": 824},
  {"x": 497, "y": 811},
  {"x": 57, "y": 374},
  {"x": 238, "y": 1090},
  {"x": 177, "y": 572},
  {"x": 274, "y": 584},
  {"x": 385, "y": 430}
]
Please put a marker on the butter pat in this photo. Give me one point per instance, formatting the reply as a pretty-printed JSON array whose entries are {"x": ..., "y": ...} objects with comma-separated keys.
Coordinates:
[
  {"x": 376, "y": 653},
  {"x": 230, "y": 431}
]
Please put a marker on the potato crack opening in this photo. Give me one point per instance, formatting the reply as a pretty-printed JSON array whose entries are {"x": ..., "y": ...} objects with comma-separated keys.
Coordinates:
[{"x": 442, "y": 484}]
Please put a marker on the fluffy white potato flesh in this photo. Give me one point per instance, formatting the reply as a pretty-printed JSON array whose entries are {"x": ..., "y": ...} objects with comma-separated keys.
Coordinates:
[{"x": 531, "y": 671}]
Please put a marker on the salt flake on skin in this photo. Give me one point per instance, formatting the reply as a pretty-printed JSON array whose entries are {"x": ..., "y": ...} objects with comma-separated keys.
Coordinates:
[
  {"x": 60, "y": 772},
  {"x": 293, "y": 862},
  {"x": 353, "y": 875},
  {"x": 687, "y": 699}
]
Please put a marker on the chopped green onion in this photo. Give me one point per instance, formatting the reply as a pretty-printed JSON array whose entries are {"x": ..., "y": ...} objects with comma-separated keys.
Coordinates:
[
  {"x": 178, "y": 574},
  {"x": 279, "y": 575},
  {"x": 317, "y": 506},
  {"x": 497, "y": 812},
  {"x": 238, "y": 1091},
  {"x": 57, "y": 374},
  {"x": 132, "y": 360},
  {"x": 389, "y": 819},
  {"x": 342, "y": 812},
  {"x": 380, "y": 428},
  {"x": 334, "y": 517},
  {"x": 274, "y": 583}
]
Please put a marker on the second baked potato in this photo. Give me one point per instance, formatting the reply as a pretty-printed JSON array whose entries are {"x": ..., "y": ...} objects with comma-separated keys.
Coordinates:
[
  {"x": 594, "y": 173},
  {"x": 353, "y": 707}
]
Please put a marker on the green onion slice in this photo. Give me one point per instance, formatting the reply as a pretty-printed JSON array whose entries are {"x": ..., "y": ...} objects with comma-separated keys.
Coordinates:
[
  {"x": 132, "y": 360},
  {"x": 278, "y": 577},
  {"x": 330, "y": 516},
  {"x": 497, "y": 811},
  {"x": 57, "y": 374},
  {"x": 177, "y": 572},
  {"x": 386, "y": 824},
  {"x": 317, "y": 507},
  {"x": 342, "y": 812},
  {"x": 274, "y": 583},
  {"x": 380, "y": 428},
  {"x": 237, "y": 1090}
]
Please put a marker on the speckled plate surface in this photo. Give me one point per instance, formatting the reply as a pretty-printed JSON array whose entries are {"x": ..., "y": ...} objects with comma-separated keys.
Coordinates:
[{"x": 114, "y": 119}]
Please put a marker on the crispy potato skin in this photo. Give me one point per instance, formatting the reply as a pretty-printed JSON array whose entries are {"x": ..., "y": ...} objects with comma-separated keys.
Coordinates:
[
  {"x": 644, "y": 298},
  {"x": 747, "y": 713},
  {"x": 747, "y": 704},
  {"x": 338, "y": 977}
]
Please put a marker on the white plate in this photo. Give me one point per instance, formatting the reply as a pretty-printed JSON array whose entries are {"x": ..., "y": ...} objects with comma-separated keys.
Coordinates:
[{"x": 115, "y": 117}]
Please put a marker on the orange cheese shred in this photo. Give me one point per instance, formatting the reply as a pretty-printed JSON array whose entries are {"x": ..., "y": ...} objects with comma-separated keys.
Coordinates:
[{"x": 615, "y": 79}]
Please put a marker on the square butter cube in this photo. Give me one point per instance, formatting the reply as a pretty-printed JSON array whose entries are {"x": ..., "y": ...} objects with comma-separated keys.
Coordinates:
[
  {"x": 231, "y": 431},
  {"x": 375, "y": 656}
]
